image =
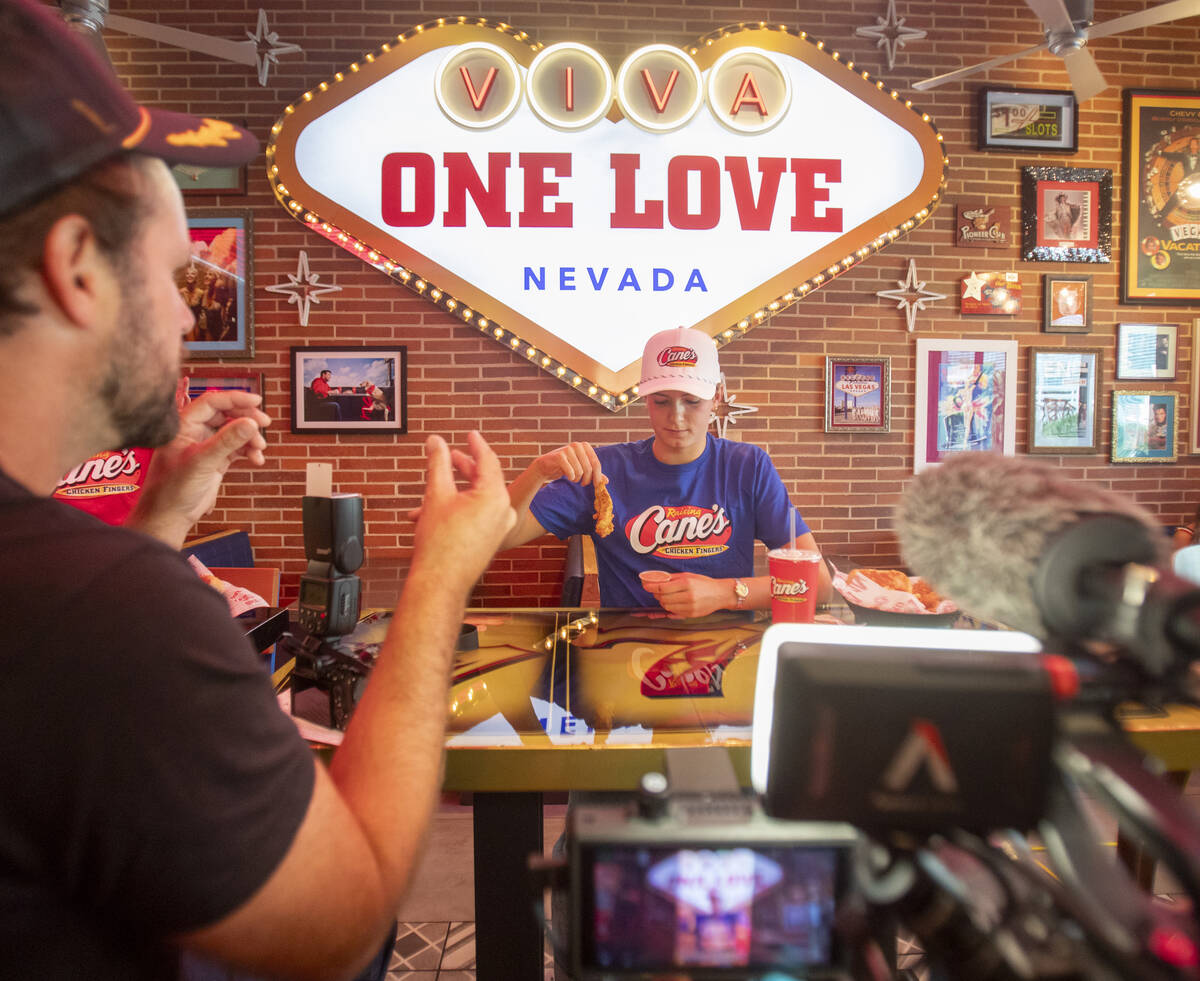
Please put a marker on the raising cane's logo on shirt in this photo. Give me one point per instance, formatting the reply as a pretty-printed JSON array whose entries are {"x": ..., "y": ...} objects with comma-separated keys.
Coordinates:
[
  {"x": 677, "y": 357},
  {"x": 680, "y": 531},
  {"x": 106, "y": 485}
]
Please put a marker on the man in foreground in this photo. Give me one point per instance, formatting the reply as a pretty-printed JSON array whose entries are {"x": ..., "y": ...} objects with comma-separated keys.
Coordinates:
[{"x": 155, "y": 798}]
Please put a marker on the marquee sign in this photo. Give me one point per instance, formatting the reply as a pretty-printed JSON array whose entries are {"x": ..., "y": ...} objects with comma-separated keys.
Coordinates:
[
  {"x": 856, "y": 386},
  {"x": 569, "y": 210}
]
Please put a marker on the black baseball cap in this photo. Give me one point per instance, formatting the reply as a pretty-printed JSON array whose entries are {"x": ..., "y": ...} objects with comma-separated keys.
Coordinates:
[{"x": 62, "y": 111}]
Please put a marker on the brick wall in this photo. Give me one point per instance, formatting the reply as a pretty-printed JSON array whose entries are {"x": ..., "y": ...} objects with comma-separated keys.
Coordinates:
[{"x": 846, "y": 484}]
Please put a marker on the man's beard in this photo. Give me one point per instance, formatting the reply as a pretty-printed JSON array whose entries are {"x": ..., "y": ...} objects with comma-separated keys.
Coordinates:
[
  {"x": 141, "y": 418},
  {"x": 141, "y": 406}
]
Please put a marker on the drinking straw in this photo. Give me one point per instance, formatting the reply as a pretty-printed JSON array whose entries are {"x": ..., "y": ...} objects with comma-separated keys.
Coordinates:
[{"x": 792, "y": 526}]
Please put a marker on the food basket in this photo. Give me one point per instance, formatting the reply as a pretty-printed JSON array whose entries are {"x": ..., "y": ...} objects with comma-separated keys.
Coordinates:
[{"x": 874, "y": 605}]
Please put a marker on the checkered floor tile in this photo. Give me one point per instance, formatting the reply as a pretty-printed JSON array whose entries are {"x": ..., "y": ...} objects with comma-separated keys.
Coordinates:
[{"x": 439, "y": 952}]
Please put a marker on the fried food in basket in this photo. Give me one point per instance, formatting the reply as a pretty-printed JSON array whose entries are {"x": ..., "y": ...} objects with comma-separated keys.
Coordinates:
[
  {"x": 887, "y": 578},
  {"x": 604, "y": 509},
  {"x": 926, "y": 594}
]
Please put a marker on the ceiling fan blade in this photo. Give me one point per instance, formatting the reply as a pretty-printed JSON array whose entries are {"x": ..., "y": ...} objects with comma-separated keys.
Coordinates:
[
  {"x": 240, "y": 52},
  {"x": 1086, "y": 79},
  {"x": 1054, "y": 14},
  {"x": 983, "y": 66},
  {"x": 1160, "y": 14}
]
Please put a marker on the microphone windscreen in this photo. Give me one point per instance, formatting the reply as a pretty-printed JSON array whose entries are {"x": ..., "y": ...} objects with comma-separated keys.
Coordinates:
[{"x": 976, "y": 526}]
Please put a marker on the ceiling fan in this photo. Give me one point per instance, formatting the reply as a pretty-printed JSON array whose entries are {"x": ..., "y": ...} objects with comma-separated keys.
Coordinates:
[
  {"x": 261, "y": 49},
  {"x": 1068, "y": 28}
]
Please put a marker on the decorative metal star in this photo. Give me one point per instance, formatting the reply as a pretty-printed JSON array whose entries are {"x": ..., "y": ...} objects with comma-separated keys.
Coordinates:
[
  {"x": 973, "y": 286},
  {"x": 911, "y": 296},
  {"x": 303, "y": 288},
  {"x": 890, "y": 33},
  {"x": 268, "y": 47},
  {"x": 726, "y": 409}
]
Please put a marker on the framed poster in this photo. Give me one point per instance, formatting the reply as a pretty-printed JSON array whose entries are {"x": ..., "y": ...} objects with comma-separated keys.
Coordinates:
[
  {"x": 858, "y": 395},
  {"x": 1066, "y": 304},
  {"x": 209, "y": 180},
  {"x": 1143, "y": 427},
  {"x": 1160, "y": 236},
  {"x": 201, "y": 380},
  {"x": 1064, "y": 383},
  {"x": 1194, "y": 406},
  {"x": 1028, "y": 119},
  {"x": 966, "y": 398},
  {"x": 1146, "y": 351},
  {"x": 1066, "y": 214},
  {"x": 347, "y": 389},
  {"x": 217, "y": 284}
]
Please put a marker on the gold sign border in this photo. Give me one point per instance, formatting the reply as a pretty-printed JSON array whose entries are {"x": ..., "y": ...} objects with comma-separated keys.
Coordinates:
[{"x": 445, "y": 289}]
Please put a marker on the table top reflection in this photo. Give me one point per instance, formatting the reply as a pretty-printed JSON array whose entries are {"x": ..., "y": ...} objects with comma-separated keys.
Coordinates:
[
  {"x": 541, "y": 681},
  {"x": 578, "y": 699}
]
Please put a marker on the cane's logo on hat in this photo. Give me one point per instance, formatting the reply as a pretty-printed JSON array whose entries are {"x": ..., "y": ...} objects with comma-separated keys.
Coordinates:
[
  {"x": 214, "y": 132},
  {"x": 678, "y": 357}
]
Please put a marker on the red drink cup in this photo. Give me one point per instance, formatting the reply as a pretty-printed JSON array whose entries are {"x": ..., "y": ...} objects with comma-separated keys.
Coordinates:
[{"x": 794, "y": 581}]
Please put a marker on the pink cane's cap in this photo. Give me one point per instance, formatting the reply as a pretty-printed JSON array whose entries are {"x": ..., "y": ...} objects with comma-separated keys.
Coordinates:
[{"x": 681, "y": 359}]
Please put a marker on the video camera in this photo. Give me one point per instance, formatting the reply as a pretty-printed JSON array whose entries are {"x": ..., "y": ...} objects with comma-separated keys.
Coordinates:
[
  {"x": 693, "y": 877},
  {"x": 897, "y": 774}
]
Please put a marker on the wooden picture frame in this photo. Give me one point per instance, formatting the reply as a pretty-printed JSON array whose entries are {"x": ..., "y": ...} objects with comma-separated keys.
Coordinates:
[
  {"x": 1066, "y": 214},
  {"x": 1160, "y": 240},
  {"x": 1064, "y": 390},
  {"x": 1066, "y": 304},
  {"x": 1144, "y": 426},
  {"x": 217, "y": 378},
  {"x": 858, "y": 395},
  {"x": 218, "y": 284},
  {"x": 1017, "y": 120},
  {"x": 966, "y": 398},
  {"x": 1146, "y": 352},
  {"x": 358, "y": 389},
  {"x": 208, "y": 181},
  {"x": 1194, "y": 404}
]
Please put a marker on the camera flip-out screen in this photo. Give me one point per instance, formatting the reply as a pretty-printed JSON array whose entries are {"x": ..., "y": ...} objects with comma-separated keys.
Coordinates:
[{"x": 710, "y": 909}]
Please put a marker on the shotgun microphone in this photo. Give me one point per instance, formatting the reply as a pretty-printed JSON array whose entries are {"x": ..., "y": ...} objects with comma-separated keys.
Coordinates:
[{"x": 1011, "y": 540}]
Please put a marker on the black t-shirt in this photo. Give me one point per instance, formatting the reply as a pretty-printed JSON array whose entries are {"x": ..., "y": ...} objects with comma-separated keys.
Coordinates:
[{"x": 148, "y": 781}]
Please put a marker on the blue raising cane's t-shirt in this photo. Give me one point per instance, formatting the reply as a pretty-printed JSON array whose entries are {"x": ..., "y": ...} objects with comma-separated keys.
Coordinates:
[{"x": 701, "y": 517}]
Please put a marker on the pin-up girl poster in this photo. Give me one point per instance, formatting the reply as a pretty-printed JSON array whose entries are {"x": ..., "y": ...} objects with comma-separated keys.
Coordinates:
[{"x": 966, "y": 392}]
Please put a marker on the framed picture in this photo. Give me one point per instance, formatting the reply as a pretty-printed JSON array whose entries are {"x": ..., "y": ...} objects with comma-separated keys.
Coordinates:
[
  {"x": 209, "y": 180},
  {"x": 217, "y": 284},
  {"x": 1064, "y": 383},
  {"x": 966, "y": 398},
  {"x": 345, "y": 389},
  {"x": 1066, "y": 304},
  {"x": 858, "y": 395},
  {"x": 1160, "y": 236},
  {"x": 1028, "y": 119},
  {"x": 201, "y": 380},
  {"x": 1145, "y": 351},
  {"x": 1143, "y": 427},
  {"x": 1066, "y": 214},
  {"x": 1194, "y": 405}
]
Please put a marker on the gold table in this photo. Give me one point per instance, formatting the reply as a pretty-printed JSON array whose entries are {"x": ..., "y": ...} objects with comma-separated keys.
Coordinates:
[{"x": 574, "y": 699}]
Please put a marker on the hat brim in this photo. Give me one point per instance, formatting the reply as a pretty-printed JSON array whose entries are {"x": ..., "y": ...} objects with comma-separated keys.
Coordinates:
[
  {"x": 692, "y": 386},
  {"x": 181, "y": 138}
]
